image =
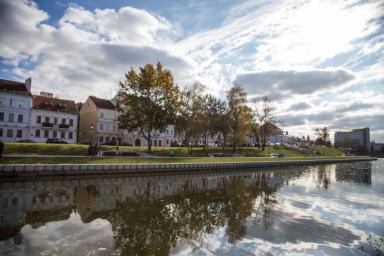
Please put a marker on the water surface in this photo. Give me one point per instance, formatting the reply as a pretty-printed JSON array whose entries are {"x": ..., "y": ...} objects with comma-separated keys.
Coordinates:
[{"x": 333, "y": 209}]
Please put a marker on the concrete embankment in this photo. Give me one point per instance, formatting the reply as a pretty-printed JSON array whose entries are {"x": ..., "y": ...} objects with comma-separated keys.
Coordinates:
[{"x": 89, "y": 169}]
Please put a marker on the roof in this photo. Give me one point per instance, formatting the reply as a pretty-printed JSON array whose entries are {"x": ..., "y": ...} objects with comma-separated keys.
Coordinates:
[
  {"x": 102, "y": 103},
  {"x": 79, "y": 105},
  {"x": 53, "y": 104},
  {"x": 14, "y": 87}
]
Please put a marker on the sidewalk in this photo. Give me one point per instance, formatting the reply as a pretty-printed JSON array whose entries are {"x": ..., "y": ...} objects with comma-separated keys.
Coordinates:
[{"x": 37, "y": 155}]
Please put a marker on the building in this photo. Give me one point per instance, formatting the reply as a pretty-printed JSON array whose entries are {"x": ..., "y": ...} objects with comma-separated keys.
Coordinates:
[
  {"x": 358, "y": 139},
  {"x": 15, "y": 108},
  {"x": 164, "y": 138},
  {"x": 53, "y": 118},
  {"x": 98, "y": 122},
  {"x": 377, "y": 147}
]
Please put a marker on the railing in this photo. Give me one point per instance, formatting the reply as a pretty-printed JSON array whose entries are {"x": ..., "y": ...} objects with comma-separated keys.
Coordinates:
[
  {"x": 47, "y": 124},
  {"x": 64, "y": 126}
]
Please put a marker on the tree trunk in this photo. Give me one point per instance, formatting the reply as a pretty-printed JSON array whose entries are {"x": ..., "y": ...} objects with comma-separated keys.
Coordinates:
[
  {"x": 234, "y": 143},
  {"x": 224, "y": 140},
  {"x": 205, "y": 142},
  {"x": 149, "y": 142}
]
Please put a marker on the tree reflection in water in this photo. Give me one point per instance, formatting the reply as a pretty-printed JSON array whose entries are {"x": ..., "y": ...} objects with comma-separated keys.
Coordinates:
[{"x": 152, "y": 227}]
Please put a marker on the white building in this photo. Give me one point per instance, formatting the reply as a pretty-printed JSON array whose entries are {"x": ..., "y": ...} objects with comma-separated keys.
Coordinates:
[
  {"x": 377, "y": 147},
  {"x": 15, "y": 107},
  {"x": 53, "y": 118},
  {"x": 283, "y": 139},
  {"x": 159, "y": 139},
  {"x": 359, "y": 139}
]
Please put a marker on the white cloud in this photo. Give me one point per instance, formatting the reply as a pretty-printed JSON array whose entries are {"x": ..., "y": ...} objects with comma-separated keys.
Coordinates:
[
  {"x": 89, "y": 51},
  {"x": 21, "y": 31},
  {"x": 286, "y": 83}
]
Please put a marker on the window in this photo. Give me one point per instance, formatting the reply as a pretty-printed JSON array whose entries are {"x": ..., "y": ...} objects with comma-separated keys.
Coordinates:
[
  {"x": 9, "y": 133},
  {"x": 101, "y": 115},
  {"x": 37, "y": 133},
  {"x": 38, "y": 119},
  {"x": 47, "y": 119},
  {"x": 20, "y": 104},
  {"x": 10, "y": 102},
  {"x": 20, "y": 118},
  {"x": 101, "y": 127},
  {"x": 1, "y": 116},
  {"x": 70, "y": 122},
  {"x": 1, "y": 132},
  {"x": 63, "y": 121},
  {"x": 159, "y": 143},
  {"x": 4, "y": 203},
  {"x": 70, "y": 135},
  {"x": 101, "y": 139},
  {"x": 14, "y": 201},
  {"x": 167, "y": 142},
  {"x": 19, "y": 133},
  {"x": 55, "y": 120},
  {"x": 54, "y": 134},
  {"x": 63, "y": 135},
  {"x": 46, "y": 134},
  {"x": 2, "y": 101},
  {"x": 11, "y": 117}
]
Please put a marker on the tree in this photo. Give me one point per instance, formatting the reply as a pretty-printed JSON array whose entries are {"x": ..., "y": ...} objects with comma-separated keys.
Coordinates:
[
  {"x": 147, "y": 101},
  {"x": 322, "y": 135},
  {"x": 267, "y": 120},
  {"x": 212, "y": 113},
  {"x": 239, "y": 115},
  {"x": 188, "y": 123},
  {"x": 255, "y": 132},
  {"x": 345, "y": 143}
]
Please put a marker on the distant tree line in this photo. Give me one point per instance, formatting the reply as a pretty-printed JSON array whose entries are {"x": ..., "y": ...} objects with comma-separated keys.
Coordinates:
[{"x": 149, "y": 100}]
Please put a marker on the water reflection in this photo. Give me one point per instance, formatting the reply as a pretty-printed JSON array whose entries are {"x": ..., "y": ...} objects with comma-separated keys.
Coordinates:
[
  {"x": 159, "y": 215},
  {"x": 360, "y": 172}
]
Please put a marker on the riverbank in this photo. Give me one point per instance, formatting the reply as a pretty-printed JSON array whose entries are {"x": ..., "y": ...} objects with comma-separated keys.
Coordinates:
[{"x": 89, "y": 166}]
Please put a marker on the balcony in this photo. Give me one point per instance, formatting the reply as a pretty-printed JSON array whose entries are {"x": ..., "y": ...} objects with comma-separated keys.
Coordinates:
[
  {"x": 63, "y": 126},
  {"x": 47, "y": 124}
]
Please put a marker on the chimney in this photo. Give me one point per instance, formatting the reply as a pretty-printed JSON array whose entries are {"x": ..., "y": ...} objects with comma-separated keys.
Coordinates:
[{"x": 28, "y": 84}]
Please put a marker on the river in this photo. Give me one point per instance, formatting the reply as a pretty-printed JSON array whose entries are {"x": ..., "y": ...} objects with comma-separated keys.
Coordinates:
[{"x": 335, "y": 209}]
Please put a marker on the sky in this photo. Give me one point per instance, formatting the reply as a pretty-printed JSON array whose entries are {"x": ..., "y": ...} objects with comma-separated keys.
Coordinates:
[{"x": 320, "y": 62}]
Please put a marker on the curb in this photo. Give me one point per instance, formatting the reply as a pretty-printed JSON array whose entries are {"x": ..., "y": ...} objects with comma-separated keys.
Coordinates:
[{"x": 97, "y": 169}]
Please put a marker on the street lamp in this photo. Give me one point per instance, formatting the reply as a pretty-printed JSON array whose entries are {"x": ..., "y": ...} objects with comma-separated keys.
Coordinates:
[{"x": 91, "y": 127}]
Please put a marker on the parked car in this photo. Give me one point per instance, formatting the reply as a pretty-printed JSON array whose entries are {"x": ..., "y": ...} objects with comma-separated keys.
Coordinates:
[
  {"x": 279, "y": 155},
  {"x": 26, "y": 141},
  {"x": 175, "y": 144},
  {"x": 56, "y": 141}
]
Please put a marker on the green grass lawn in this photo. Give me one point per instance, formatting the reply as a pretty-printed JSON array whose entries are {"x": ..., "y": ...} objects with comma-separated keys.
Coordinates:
[
  {"x": 82, "y": 150},
  {"x": 327, "y": 151},
  {"x": 125, "y": 160}
]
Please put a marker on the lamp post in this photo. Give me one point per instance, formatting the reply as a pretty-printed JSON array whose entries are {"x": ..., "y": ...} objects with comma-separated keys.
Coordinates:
[{"x": 91, "y": 127}]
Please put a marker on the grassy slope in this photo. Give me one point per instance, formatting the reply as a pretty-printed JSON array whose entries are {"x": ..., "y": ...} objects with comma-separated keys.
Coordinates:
[
  {"x": 327, "y": 151},
  {"x": 112, "y": 160},
  {"x": 82, "y": 150}
]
